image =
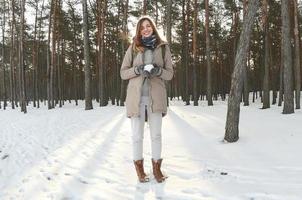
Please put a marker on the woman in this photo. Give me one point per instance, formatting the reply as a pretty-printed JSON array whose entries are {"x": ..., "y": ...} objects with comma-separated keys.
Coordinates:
[{"x": 146, "y": 65}]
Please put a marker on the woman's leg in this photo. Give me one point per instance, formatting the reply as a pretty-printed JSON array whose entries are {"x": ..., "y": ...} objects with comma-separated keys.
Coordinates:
[
  {"x": 155, "y": 123},
  {"x": 155, "y": 120},
  {"x": 137, "y": 125}
]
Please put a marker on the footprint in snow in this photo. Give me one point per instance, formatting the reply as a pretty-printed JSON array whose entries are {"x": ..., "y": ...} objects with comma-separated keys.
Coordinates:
[
  {"x": 25, "y": 180},
  {"x": 5, "y": 156},
  {"x": 83, "y": 181}
]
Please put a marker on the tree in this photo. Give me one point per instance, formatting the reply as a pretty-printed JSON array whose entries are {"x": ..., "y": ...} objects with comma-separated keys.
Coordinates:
[
  {"x": 21, "y": 62},
  {"x": 245, "y": 70},
  {"x": 195, "y": 92},
  {"x": 102, "y": 8},
  {"x": 3, "y": 55},
  {"x": 265, "y": 24},
  {"x": 297, "y": 56},
  {"x": 123, "y": 46},
  {"x": 185, "y": 49},
  {"x": 144, "y": 7},
  {"x": 88, "y": 101},
  {"x": 12, "y": 55},
  {"x": 232, "y": 122},
  {"x": 287, "y": 60},
  {"x": 208, "y": 53}
]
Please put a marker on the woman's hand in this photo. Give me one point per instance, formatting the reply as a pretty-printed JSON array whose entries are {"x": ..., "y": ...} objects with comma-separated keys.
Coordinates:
[{"x": 156, "y": 71}]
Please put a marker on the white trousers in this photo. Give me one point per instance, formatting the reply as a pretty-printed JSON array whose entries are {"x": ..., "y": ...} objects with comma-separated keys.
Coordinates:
[{"x": 137, "y": 125}]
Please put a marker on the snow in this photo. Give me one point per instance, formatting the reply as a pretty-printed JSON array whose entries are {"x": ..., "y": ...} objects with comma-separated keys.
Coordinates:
[{"x": 71, "y": 154}]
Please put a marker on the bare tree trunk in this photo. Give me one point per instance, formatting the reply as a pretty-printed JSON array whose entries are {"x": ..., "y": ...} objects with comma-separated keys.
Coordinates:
[
  {"x": 12, "y": 56},
  {"x": 232, "y": 122},
  {"x": 144, "y": 7},
  {"x": 245, "y": 69},
  {"x": 208, "y": 52},
  {"x": 169, "y": 39},
  {"x": 125, "y": 32},
  {"x": 49, "y": 62},
  {"x": 297, "y": 56},
  {"x": 74, "y": 58},
  {"x": 287, "y": 60},
  {"x": 195, "y": 92},
  {"x": 88, "y": 101},
  {"x": 185, "y": 48},
  {"x": 281, "y": 84},
  {"x": 21, "y": 62},
  {"x": 266, "y": 90},
  {"x": 102, "y": 12},
  {"x": 3, "y": 56},
  {"x": 34, "y": 53}
]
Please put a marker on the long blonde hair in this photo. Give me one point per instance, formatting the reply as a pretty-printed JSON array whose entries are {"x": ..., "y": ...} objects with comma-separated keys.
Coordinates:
[{"x": 137, "y": 39}]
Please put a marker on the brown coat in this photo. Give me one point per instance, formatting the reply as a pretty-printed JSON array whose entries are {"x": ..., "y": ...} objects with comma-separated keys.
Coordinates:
[{"x": 158, "y": 94}]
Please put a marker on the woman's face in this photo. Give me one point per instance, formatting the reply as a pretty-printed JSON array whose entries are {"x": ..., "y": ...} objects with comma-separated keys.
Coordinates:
[{"x": 146, "y": 28}]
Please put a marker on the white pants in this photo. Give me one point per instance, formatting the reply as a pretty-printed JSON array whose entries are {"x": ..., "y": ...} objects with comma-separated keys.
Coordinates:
[{"x": 137, "y": 125}]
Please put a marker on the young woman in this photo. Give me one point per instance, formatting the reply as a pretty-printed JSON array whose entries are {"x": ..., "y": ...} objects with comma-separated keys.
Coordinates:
[{"x": 146, "y": 65}]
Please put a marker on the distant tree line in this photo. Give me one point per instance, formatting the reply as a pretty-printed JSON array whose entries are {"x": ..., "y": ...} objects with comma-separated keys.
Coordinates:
[{"x": 74, "y": 49}]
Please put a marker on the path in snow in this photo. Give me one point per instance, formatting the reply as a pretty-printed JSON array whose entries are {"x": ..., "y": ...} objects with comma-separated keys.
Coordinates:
[{"x": 87, "y": 155}]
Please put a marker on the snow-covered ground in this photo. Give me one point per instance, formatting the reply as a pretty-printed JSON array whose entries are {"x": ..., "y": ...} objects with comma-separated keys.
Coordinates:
[{"x": 72, "y": 154}]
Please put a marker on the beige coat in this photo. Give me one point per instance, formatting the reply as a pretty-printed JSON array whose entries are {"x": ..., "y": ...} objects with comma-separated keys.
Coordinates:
[{"x": 158, "y": 94}]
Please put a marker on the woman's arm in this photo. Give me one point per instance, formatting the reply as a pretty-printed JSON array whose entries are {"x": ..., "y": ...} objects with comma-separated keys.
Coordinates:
[
  {"x": 167, "y": 72},
  {"x": 127, "y": 71}
]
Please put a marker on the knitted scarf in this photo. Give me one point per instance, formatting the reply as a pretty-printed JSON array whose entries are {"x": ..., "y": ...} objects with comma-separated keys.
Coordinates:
[{"x": 149, "y": 42}]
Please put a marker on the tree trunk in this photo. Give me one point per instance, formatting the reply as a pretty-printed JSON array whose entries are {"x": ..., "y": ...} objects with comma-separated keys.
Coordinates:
[
  {"x": 88, "y": 101},
  {"x": 184, "y": 60},
  {"x": 34, "y": 53},
  {"x": 21, "y": 62},
  {"x": 195, "y": 92},
  {"x": 287, "y": 60},
  {"x": 245, "y": 69},
  {"x": 266, "y": 90},
  {"x": 169, "y": 39},
  {"x": 125, "y": 32},
  {"x": 12, "y": 56},
  {"x": 74, "y": 58},
  {"x": 3, "y": 56},
  {"x": 208, "y": 52},
  {"x": 297, "y": 56},
  {"x": 144, "y": 7},
  {"x": 232, "y": 122},
  {"x": 102, "y": 14}
]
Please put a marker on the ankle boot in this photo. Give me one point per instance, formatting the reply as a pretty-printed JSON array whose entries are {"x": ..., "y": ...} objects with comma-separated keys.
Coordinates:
[
  {"x": 158, "y": 175},
  {"x": 139, "y": 167}
]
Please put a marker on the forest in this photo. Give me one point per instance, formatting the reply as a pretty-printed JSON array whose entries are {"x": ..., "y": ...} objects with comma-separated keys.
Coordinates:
[{"x": 58, "y": 51}]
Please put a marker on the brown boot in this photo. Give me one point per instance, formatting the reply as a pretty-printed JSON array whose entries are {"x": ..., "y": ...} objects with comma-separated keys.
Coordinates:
[
  {"x": 158, "y": 175},
  {"x": 139, "y": 166}
]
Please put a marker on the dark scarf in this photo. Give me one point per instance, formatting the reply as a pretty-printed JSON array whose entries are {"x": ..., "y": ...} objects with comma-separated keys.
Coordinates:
[{"x": 149, "y": 42}]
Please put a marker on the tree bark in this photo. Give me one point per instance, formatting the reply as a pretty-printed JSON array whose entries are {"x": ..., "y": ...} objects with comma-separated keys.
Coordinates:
[
  {"x": 3, "y": 55},
  {"x": 88, "y": 100},
  {"x": 208, "y": 52},
  {"x": 21, "y": 62},
  {"x": 195, "y": 92},
  {"x": 144, "y": 7},
  {"x": 288, "y": 107},
  {"x": 266, "y": 90},
  {"x": 297, "y": 56},
  {"x": 245, "y": 69},
  {"x": 12, "y": 56},
  {"x": 125, "y": 32},
  {"x": 102, "y": 14},
  {"x": 232, "y": 122}
]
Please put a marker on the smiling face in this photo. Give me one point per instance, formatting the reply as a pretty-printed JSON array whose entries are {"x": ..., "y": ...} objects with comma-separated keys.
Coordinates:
[{"x": 146, "y": 29}]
